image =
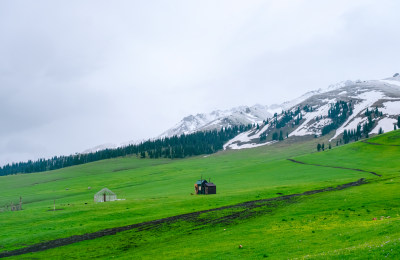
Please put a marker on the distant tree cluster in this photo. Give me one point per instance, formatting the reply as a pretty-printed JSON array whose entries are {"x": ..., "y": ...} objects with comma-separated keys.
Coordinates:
[
  {"x": 375, "y": 112},
  {"x": 322, "y": 147},
  {"x": 338, "y": 112},
  {"x": 352, "y": 135},
  {"x": 174, "y": 147},
  {"x": 287, "y": 116},
  {"x": 359, "y": 132},
  {"x": 263, "y": 136},
  {"x": 278, "y": 137},
  {"x": 308, "y": 108}
]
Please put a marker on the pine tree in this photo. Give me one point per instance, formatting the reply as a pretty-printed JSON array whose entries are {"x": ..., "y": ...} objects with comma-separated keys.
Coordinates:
[
  {"x": 318, "y": 147},
  {"x": 345, "y": 136},
  {"x": 323, "y": 147},
  {"x": 280, "y": 135},
  {"x": 330, "y": 147},
  {"x": 380, "y": 131}
]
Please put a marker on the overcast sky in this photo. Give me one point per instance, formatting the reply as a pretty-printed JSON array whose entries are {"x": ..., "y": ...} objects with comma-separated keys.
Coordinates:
[{"x": 76, "y": 74}]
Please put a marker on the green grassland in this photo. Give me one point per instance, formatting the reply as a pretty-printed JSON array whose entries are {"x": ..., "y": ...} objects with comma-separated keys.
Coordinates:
[{"x": 332, "y": 224}]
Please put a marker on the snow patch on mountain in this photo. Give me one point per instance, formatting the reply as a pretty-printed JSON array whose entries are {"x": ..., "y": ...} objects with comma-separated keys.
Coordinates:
[
  {"x": 247, "y": 139},
  {"x": 236, "y": 146},
  {"x": 391, "y": 82},
  {"x": 309, "y": 129},
  {"x": 391, "y": 108},
  {"x": 387, "y": 125},
  {"x": 368, "y": 99},
  {"x": 355, "y": 122}
]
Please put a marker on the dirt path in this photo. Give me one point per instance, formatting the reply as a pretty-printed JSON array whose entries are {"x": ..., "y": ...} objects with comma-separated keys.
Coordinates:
[
  {"x": 366, "y": 142},
  {"x": 337, "y": 167},
  {"x": 241, "y": 210}
]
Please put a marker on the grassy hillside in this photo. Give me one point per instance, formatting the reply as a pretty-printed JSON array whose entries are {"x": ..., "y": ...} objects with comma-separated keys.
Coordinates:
[{"x": 333, "y": 223}]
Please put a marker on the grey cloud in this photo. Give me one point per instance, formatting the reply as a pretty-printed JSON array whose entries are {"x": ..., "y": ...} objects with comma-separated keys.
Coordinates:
[{"x": 76, "y": 74}]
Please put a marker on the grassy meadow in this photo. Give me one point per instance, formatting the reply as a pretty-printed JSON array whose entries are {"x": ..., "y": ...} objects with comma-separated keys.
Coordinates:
[{"x": 332, "y": 224}]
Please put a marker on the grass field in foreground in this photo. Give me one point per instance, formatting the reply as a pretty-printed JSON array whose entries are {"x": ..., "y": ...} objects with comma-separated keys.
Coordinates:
[
  {"x": 160, "y": 188},
  {"x": 337, "y": 224}
]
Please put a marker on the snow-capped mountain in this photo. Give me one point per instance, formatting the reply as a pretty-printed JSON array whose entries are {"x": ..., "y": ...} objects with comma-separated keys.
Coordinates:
[
  {"x": 308, "y": 115},
  {"x": 242, "y": 115},
  {"x": 311, "y": 114},
  {"x": 381, "y": 94}
]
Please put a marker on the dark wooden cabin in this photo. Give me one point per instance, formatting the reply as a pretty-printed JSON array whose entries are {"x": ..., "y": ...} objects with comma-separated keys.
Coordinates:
[
  {"x": 204, "y": 187},
  {"x": 210, "y": 188}
]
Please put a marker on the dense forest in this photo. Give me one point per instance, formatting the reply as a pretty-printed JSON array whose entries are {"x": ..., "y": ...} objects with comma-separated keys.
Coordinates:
[{"x": 198, "y": 143}]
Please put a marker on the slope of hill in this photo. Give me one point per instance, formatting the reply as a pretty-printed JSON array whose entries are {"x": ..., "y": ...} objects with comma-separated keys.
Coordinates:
[
  {"x": 337, "y": 221},
  {"x": 384, "y": 94},
  {"x": 371, "y": 106},
  {"x": 218, "y": 119},
  {"x": 242, "y": 115}
]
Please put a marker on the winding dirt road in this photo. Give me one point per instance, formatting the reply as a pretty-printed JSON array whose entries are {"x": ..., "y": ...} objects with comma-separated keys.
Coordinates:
[
  {"x": 367, "y": 142},
  {"x": 336, "y": 167}
]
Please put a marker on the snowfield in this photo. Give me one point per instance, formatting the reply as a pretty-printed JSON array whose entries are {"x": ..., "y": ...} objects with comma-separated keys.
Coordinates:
[
  {"x": 368, "y": 99},
  {"x": 242, "y": 140},
  {"x": 247, "y": 146},
  {"x": 391, "y": 82},
  {"x": 304, "y": 128},
  {"x": 391, "y": 108},
  {"x": 386, "y": 124}
]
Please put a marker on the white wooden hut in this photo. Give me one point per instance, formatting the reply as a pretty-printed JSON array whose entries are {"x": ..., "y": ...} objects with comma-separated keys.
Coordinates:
[{"x": 105, "y": 195}]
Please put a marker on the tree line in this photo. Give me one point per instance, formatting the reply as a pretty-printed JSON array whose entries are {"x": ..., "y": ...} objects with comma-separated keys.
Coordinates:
[{"x": 185, "y": 145}]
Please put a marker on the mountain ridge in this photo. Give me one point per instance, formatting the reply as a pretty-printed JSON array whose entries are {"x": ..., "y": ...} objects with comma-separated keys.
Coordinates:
[
  {"x": 321, "y": 99},
  {"x": 362, "y": 97}
]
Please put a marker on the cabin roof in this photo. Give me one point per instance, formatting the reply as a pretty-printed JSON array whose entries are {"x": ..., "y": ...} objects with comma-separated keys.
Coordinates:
[
  {"x": 199, "y": 182},
  {"x": 210, "y": 184}
]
